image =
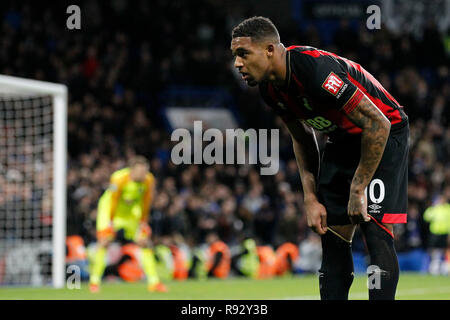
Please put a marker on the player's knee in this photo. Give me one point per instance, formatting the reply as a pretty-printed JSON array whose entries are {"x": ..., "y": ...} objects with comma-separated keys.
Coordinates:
[
  {"x": 336, "y": 255},
  {"x": 337, "y": 258}
]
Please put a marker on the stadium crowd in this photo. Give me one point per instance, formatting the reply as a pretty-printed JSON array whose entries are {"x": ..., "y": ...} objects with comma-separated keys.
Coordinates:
[{"x": 128, "y": 52}]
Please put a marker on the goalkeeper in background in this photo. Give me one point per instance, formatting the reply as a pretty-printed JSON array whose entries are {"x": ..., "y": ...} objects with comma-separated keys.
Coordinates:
[{"x": 123, "y": 211}]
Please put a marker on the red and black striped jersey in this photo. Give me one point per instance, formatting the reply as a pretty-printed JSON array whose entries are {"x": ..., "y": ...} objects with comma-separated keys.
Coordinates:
[{"x": 321, "y": 88}]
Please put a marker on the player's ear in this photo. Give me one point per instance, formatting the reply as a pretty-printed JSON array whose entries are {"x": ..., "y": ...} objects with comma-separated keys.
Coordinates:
[{"x": 270, "y": 49}]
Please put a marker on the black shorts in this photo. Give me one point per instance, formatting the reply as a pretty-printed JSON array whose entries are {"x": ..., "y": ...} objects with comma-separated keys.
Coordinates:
[{"x": 387, "y": 197}]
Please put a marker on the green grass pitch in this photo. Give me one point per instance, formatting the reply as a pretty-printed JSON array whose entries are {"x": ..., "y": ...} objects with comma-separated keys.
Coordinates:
[{"x": 411, "y": 286}]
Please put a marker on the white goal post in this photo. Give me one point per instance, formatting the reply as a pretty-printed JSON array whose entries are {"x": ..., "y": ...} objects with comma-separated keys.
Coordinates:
[{"x": 15, "y": 91}]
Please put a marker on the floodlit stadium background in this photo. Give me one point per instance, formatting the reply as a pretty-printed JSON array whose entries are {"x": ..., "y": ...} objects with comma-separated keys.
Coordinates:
[{"x": 132, "y": 62}]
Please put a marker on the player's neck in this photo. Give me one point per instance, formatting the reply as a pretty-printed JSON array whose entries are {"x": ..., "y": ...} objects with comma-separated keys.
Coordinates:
[{"x": 279, "y": 70}]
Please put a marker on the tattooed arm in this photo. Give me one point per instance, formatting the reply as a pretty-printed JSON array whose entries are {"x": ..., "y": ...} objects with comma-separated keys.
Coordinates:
[{"x": 375, "y": 132}]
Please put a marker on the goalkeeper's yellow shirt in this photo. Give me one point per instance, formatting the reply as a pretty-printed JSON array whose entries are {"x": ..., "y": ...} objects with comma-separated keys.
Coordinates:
[{"x": 125, "y": 202}]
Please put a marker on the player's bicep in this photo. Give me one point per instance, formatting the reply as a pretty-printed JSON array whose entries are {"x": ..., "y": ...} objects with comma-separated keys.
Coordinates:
[
  {"x": 331, "y": 85},
  {"x": 367, "y": 116}
]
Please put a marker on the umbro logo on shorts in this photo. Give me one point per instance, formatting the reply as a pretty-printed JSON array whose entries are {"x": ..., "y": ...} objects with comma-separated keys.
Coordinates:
[{"x": 374, "y": 206}]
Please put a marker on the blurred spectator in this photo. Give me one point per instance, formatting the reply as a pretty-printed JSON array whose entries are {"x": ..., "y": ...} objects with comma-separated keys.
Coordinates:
[
  {"x": 310, "y": 252},
  {"x": 288, "y": 226},
  {"x": 438, "y": 216}
]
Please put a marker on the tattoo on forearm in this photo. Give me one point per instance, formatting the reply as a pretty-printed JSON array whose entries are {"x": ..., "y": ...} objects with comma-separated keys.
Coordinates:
[{"x": 375, "y": 131}]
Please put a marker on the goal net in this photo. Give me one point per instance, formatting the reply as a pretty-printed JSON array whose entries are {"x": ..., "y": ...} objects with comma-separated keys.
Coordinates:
[{"x": 33, "y": 118}]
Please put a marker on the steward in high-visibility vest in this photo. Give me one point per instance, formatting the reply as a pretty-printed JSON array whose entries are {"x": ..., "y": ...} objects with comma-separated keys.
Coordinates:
[
  {"x": 438, "y": 216},
  {"x": 76, "y": 255},
  {"x": 75, "y": 249},
  {"x": 129, "y": 267},
  {"x": 246, "y": 263},
  {"x": 267, "y": 262},
  {"x": 180, "y": 263},
  {"x": 197, "y": 263},
  {"x": 218, "y": 258},
  {"x": 286, "y": 255}
]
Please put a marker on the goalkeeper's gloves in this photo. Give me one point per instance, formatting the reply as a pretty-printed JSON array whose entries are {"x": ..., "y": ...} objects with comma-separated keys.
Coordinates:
[{"x": 107, "y": 233}]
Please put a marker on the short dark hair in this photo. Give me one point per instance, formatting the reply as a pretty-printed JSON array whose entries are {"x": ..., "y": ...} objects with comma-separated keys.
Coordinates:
[{"x": 257, "y": 28}]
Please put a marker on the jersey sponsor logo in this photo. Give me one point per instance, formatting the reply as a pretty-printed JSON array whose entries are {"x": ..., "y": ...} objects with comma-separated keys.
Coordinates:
[{"x": 332, "y": 83}]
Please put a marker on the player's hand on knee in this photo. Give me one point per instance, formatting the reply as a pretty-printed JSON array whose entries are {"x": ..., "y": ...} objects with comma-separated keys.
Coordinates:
[
  {"x": 357, "y": 208},
  {"x": 316, "y": 216}
]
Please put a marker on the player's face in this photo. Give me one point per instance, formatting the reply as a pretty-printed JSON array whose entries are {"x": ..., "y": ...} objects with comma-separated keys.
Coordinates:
[
  {"x": 138, "y": 172},
  {"x": 251, "y": 59}
]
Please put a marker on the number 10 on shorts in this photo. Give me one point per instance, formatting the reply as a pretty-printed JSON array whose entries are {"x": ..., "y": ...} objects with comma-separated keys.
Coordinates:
[{"x": 375, "y": 193}]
